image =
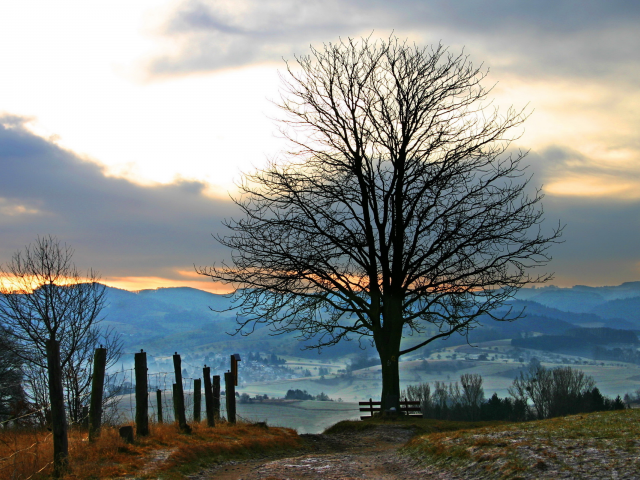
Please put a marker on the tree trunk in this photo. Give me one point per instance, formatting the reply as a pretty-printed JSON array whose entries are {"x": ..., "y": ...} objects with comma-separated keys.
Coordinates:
[
  {"x": 387, "y": 343},
  {"x": 390, "y": 382},
  {"x": 58, "y": 416}
]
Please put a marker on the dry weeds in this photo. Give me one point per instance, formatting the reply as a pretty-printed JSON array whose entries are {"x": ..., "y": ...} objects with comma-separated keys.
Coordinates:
[{"x": 110, "y": 457}]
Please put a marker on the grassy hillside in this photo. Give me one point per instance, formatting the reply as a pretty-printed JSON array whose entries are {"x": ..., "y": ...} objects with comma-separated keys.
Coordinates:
[{"x": 578, "y": 446}]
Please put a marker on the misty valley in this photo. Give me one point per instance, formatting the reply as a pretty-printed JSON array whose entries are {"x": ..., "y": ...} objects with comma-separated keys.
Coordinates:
[{"x": 593, "y": 329}]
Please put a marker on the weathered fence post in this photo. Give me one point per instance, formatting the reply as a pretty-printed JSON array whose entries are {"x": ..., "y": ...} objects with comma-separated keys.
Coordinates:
[
  {"x": 175, "y": 402},
  {"x": 142, "y": 404},
  {"x": 197, "y": 399},
  {"x": 58, "y": 414},
  {"x": 159, "y": 404},
  {"x": 126, "y": 433},
  {"x": 215, "y": 393},
  {"x": 230, "y": 394},
  {"x": 85, "y": 417},
  {"x": 178, "y": 397},
  {"x": 97, "y": 389},
  {"x": 208, "y": 396}
]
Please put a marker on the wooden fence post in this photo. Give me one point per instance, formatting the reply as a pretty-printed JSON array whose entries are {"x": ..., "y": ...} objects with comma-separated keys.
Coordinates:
[
  {"x": 197, "y": 399},
  {"x": 215, "y": 392},
  {"x": 175, "y": 403},
  {"x": 178, "y": 398},
  {"x": 230, "y": 395},
  {"x": 142, "y": 404},
  {"x": 208, "y": 396},
  {"x": 85, "y": 417},
  {"x": 97, "y": 389},
  {"x": 371, "y": 406},
  {"x": 58, "y": 415},
  {"x": 159, "y": 404}
]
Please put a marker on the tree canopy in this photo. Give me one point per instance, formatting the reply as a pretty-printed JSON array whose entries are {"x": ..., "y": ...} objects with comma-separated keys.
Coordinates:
[{"x": 398, "y": 210}]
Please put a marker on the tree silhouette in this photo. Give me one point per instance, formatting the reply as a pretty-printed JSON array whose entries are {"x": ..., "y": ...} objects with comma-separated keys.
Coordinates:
[
  {"x": 397, "y": 211},
  {"x": 50, "y": 311}
]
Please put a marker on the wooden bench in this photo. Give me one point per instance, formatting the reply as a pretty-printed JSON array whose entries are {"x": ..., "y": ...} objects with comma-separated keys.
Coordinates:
[{"x": 406, "y": 406}]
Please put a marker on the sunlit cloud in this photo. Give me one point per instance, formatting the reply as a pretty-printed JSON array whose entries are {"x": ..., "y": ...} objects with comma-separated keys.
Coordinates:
[
  {"x": 594, "y": 187},
  {"x": 10, "y": 209}
]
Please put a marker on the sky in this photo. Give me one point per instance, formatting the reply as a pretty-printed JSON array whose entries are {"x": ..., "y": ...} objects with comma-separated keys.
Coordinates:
[{"x": 125, "y": 125}]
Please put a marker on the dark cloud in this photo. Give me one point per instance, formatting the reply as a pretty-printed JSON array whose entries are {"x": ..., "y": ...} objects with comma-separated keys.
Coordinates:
[
  {"x": 602, "y": 233},
  {"x": 118, "y": 227},
  {"x": 601, "y": 240},
  {"x": 558, "y": 162},
  {"x": 543, "y": 37}
]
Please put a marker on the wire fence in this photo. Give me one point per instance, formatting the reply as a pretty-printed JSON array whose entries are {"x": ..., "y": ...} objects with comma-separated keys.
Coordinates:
[
  {"x": 24, "y": 444},
  {"x": 160, "y": 382}
]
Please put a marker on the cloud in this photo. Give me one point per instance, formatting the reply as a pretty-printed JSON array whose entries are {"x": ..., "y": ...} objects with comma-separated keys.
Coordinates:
[
  {"x": 117, "y": 227},
  {"x": 566, "y": 172},
  {"x": 151, "y": 235},
  {"x": 567, "y": 37},
  {"x": 217, "y": 35},
  {"x": 601, "y": 240}
]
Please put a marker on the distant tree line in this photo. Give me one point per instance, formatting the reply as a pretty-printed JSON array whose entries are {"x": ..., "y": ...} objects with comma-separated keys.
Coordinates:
[
  {"x": 362, "y": 361},
  {"x": 536, "y": 393},
  {"x": 617, "y": 354},
  {"x": 578, "y": 339},
  {"x": 269, "y": 359},
  {"x": 304, "y": 395},
  {"x": 246, "y": 398}
]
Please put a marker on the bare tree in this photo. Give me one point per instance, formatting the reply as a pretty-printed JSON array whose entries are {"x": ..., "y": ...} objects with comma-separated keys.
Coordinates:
[
  {"x": 397, "y": 211},
  {"x": 472, "y": 391},
  {"x": 553, "y": 392},
  {"x": 50, "y": 311},
  {"x": 78, "y": 374}
]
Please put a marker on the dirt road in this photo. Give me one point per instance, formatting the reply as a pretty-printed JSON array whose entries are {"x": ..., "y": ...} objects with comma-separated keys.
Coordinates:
[{"x": 370, "y": 454}]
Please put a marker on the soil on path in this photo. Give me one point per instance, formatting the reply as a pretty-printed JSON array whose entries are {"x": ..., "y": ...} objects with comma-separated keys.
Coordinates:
[{"x": 368, "y": 454}]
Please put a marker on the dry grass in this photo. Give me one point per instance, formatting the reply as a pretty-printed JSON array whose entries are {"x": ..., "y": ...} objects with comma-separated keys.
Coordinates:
[
  {"x": 23, "y": 452},
  {"x": 110, "y": 457},
  {"x": 509, "y": 449}
]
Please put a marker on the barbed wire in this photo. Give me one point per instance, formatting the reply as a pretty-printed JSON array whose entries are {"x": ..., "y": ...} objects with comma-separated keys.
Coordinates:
[
  {"x": 44, "y": 407},
  {"x": 51, "y": 462},
  {"x": 25, "y": 449}
]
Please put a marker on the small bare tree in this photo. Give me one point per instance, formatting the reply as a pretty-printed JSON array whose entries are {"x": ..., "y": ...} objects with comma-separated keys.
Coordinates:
[
  {"x": 553, "y": 392},
  {"x": 77, "y": 375},
  {"x": 50, "y": 311},
  {"x": 472, "y": 391}
]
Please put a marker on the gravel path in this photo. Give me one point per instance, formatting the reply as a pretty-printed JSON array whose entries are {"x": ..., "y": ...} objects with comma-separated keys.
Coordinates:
[{"x": 370, "y": 454}]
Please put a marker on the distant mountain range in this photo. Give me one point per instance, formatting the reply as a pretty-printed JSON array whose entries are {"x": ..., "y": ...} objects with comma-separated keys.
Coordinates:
[
  {"x": 171, "y": 319},
  {"x": 582, "y": 299}
]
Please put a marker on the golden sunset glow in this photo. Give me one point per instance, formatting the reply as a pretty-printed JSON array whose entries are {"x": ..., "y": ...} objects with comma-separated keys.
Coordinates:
[
  {"x": 595, "y": 187},
  {"x": 144, "y": 283},
  {"x": 128, "y": 146}
]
